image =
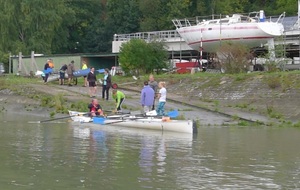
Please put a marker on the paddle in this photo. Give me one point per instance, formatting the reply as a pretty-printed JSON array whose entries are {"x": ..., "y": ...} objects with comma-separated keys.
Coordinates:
[
  {"x": 99, "y": 120},
  {"x": 47, "y": 120},
  {"x": 173, "y": 114}
]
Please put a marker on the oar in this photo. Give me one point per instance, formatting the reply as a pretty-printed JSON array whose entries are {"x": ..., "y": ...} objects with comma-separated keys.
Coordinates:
[
  {"x": 101, "y": 120},
  {"x": 47, "y": 120},
  {"x": 117, "y": 113}
]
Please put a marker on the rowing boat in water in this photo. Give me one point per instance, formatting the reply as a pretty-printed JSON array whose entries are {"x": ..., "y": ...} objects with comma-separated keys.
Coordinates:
[
  {"x": 83, "y": 117},
  {"x": 147, "y": 122}
]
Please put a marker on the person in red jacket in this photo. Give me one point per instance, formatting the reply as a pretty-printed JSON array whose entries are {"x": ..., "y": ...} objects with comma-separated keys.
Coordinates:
[{"x": 95, "y": 108}]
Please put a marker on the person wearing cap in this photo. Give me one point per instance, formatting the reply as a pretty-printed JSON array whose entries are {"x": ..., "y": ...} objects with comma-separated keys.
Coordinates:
[{"x": 147, "y": 97}]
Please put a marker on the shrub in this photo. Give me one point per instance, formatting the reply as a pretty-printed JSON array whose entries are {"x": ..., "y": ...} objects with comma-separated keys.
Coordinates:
[{"x": 234, "y": 58}]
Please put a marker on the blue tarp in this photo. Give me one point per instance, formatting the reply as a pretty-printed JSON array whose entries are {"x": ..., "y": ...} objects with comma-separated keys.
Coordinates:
[
  {"x": 100, "y": 70},
  {"x": 85, "y": 72},
  {"x": 49, "y": 70},
  {"x": 81, "y": 73}
]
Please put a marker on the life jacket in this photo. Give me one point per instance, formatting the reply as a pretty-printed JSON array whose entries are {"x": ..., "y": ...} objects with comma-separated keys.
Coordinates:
[{"x": 51, "y": 65}]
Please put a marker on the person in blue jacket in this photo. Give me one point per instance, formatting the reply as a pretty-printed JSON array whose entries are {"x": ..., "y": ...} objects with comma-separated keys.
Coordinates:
[
  {"x": 46, "y": 72},
  {"x": 147, "y": 97}
]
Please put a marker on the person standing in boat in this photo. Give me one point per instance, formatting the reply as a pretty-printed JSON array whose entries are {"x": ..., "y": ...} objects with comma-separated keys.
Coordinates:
[
  {"x": 91, "y": 78},
  {"x": 84, "y": 67},
  {"x": 147, "y": 97},
  {"x": 119, "y": 97},
  {"x": 153, "y": 85},
  {"x": 70, "y": 71},
  {"x": 106, "y": 84},
  {"x": 162, "y": 97},
  {"x": 95, "y": 108},
  {"x": 62, "y": 74}
]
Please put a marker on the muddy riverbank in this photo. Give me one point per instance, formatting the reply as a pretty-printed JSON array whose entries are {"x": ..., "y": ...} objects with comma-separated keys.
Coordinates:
[{"x": 211, "y": 100}]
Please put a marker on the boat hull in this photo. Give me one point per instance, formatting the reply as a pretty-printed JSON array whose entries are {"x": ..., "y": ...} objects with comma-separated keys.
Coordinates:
[
  {"x": 210, "y": 37},
  {"x": 151, "y": 123},
  {"x": 181, "y": 126}
]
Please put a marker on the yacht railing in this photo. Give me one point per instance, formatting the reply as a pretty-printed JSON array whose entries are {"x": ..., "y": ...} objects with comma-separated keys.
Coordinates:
[
  {"x": 186, "y": 22},
  {"x": 148, "y": 36}
]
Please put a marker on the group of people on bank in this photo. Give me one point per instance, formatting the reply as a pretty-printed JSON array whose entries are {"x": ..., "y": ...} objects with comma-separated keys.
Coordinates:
[
  {"x": 149, "y": 93},
  {"x": 90, "y": 79},
  {"x": 49, "y": 67}
]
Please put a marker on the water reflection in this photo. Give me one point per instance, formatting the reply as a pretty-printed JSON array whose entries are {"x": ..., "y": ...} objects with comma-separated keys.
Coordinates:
[{"x": 77, "y": 156}]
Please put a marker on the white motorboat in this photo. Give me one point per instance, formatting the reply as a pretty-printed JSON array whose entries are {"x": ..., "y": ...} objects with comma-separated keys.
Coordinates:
[
  {"x": 144, "y": 122},
  {"x": 252, "y": 30}
]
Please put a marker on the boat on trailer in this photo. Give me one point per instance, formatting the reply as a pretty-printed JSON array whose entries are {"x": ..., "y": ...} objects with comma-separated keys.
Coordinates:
[
  {"x": 138, "y": 122},
  {"x": 253, "y": 30}
]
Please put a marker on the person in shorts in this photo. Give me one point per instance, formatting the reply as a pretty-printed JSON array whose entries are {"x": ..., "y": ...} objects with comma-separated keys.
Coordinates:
[
  {"x": 70, "y": 71},
  {"x": 84, "y": 67},
  {"x": 62, "y": 74},
  {"x": 91, "y": 78}
]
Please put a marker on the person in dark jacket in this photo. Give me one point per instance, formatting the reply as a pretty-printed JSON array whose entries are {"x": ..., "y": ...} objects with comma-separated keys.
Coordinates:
[
  {"x": 46, "y": 71},
  {"x": 106, "y": 84},
  {"x": 62, "y": 74},
  {"x": 91, "y": 78},
  {"x": 153, "y": 84}
]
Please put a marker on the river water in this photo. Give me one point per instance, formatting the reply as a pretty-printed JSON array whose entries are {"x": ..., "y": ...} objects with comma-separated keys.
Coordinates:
[{"x": 65, "y": 155}]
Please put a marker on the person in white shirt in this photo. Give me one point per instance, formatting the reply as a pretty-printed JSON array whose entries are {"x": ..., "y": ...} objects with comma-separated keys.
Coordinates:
[{"x": 162, "y": 98}]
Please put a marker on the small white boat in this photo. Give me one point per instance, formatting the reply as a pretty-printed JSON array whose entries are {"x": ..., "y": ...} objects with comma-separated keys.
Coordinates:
[
  {"x": 148, "y": 122},
  {"x": 207, "y": 35}
]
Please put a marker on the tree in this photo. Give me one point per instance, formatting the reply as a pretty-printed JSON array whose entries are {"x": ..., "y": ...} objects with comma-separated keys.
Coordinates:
[
  {"x": 30, "y": 25},
  {"x": 137, "y": 56},
  {"x": 117, "y": 17},
  {"x": 79, "y": 29},
  {"x": 234, "y": 57}
]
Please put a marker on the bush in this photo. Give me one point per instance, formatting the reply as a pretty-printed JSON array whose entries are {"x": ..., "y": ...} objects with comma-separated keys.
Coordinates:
[
  {"x": 137, "y": 56},
  {"x": 234, "y": 58}
]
